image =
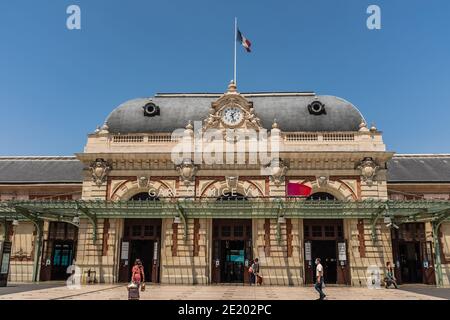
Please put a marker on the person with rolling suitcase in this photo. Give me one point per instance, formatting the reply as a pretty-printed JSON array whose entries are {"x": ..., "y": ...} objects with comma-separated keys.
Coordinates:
[{"x": 137, "y": 280}]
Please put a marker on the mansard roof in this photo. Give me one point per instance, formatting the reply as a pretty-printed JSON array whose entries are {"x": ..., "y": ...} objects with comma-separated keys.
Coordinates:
[
  {"x": 419, "y": 168},
  {"x": 34, "y": 170},
  {"x": 290, "y": 109}
]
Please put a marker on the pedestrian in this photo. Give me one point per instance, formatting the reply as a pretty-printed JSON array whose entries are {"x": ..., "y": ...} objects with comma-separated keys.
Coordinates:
[
  {"x": 137, "y": 280},
  {"x": 390, "y": 278},
  {"x": 250, "y": 273},
  {"x": 319, "y": 280},
  {"x": 257, "y": 279}
]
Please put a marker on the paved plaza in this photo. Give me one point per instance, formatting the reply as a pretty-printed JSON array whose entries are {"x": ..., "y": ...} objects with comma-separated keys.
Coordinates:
[{"x": 57, "y": 291}]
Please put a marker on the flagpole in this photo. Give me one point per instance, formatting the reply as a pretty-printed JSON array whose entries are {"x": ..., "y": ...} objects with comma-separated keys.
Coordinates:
[{"x": 235, "y": 40}]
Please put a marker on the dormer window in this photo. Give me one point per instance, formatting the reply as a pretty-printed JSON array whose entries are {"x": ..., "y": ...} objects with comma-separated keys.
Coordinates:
[
  {"x": 316, "y": 108},
  {"x": 151, "y": 110}
]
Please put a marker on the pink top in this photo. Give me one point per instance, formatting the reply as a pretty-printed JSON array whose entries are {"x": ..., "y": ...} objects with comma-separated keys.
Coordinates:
[{"x": 137, "y": 273}]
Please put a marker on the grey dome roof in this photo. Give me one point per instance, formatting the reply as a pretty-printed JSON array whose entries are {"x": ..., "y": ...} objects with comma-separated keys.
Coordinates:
[{"x": 289, "y": 109}]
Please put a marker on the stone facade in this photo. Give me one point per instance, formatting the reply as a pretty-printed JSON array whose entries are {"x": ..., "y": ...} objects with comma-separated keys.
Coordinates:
[{"x": 348, "y": 166}]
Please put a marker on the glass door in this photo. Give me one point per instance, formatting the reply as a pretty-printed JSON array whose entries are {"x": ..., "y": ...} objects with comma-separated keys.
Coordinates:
[{"x": 62, "y": 258}]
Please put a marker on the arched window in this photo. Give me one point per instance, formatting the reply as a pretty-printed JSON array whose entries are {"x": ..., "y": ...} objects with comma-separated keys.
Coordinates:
[
  {"x": 321, "y": 196},
  {"x": 143, "y": 196}
]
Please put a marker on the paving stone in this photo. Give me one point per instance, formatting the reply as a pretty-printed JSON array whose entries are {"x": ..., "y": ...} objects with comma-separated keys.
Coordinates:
[{"x": 166, "y": 292}]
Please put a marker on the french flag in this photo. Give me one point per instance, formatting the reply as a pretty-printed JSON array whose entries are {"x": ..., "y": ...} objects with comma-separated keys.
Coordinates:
[{"x": 244, "y": 41}]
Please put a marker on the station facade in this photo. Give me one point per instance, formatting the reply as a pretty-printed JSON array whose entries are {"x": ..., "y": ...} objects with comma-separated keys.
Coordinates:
[{"x": 143, "y": 188}]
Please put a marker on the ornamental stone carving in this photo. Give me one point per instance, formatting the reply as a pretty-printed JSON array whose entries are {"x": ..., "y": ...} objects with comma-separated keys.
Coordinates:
[
  {"x": 232, "y": 182},
  {"x": 99, "y": 170},
  {"x": 322, "y": 181},
  {"x": 278, "y": 171},
  {"x": 369, "y": 169},
  {"x": 187, "y": 170},
  {"x": 143, "y": 181}
]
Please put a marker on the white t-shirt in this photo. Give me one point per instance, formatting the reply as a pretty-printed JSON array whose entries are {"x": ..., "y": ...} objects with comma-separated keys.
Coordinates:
[{"x": 319, "y": 270}]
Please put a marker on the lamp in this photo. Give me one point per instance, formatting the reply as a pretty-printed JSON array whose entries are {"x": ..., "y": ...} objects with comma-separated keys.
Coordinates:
[
  {"x": 392, "y": 225},
  {"x": 177, "y": 219},
  {"x": 15, "y": 222},
  {"x": 281, "y": 219},
  {"x": 76, "y": 220}
]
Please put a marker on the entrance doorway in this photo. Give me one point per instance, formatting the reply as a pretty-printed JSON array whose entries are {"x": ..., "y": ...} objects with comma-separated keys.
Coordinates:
[
  {"x": 413, "y": 255},
  {"x": 62, "y": 257},
  {"x": 326, "y": 250},
  {"x": 409, "y": 254},
  {"x": 141, "y": 240},
  {"x": 232, "y": 250},
  {"x": 143, "y": 250},
  {"x": 59, "y": 251},
  {"x": 233, "y": 257},
  {"x": 324, "y": 239}
]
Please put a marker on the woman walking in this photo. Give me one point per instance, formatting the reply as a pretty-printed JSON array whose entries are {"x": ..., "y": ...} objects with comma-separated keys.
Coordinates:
[
  {"x": 137, "y": 280},
  {"x": 390, "y": 278}
]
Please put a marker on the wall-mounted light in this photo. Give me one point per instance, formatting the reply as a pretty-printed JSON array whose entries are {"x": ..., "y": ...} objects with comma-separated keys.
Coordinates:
[
  {"x": 177, "y": 220},
  {"x": 392, "y": 225},
  {"x": 281, "y": 219},
  {"x": 76, "y": 220},
  {"x": 15, "y": 222}
]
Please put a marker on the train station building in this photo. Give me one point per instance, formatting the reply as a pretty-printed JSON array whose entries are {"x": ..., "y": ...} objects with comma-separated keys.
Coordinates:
[{"x": 197, "y": 185}]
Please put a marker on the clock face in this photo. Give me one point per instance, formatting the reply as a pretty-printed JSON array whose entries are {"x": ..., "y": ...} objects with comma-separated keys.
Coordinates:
[{"x": 232, "y": 116}]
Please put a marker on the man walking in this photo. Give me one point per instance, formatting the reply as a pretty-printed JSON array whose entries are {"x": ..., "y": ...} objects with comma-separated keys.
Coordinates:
[{"x": 319, "y": 279}]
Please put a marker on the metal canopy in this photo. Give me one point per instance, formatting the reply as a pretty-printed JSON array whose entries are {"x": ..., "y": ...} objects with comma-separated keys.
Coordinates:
[
  {"x": 60, "y": 210},
  {"x": 71, "y": 210},
  {"x": 433, "y": 211}
]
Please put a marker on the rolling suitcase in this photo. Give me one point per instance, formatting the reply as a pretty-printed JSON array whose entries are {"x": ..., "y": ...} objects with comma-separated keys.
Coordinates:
[{"x": 133, "y": 292}]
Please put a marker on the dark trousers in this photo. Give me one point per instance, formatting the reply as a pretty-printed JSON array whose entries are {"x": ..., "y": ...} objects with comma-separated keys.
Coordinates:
[
  {"x": 389, "y": 281},
  {"x": 252, "y": 278},
  {"x": 318, "y": 287}
]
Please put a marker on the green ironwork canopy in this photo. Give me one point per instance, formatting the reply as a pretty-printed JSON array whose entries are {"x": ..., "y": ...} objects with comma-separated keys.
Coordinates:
[
  {"x": 433, "y": 211},
  {"x": 402, "y": 211}
]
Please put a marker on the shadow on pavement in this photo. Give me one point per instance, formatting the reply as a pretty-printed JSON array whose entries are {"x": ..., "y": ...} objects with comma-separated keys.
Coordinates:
[
  {"x": 443, "y": 293},
  {"x": 23, "y": 287}
]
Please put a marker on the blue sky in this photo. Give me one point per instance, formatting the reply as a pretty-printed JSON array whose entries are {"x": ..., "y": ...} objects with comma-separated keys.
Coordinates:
[{"x": 57, "y": 85}]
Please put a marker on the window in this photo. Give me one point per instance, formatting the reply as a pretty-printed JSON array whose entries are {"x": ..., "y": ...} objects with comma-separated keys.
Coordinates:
[
  {"x": 136, "y": 231},
  {"x": 329, "y": 231},
  {"x": 148, "y": 231},
  {"x": 340, "y": 233},
  {"x": 317, "y": 231},
  {"x": 158, "y": 231},
  {"x": 306, "y": 232},
  {"x": 226, "y": 231},
  {"x": 238, "y": 231},
  {"x": 248, "y": 231}
]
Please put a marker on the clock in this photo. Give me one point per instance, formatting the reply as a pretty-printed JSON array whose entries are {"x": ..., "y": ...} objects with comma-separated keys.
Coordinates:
[{"x": 232, "y": 116}]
